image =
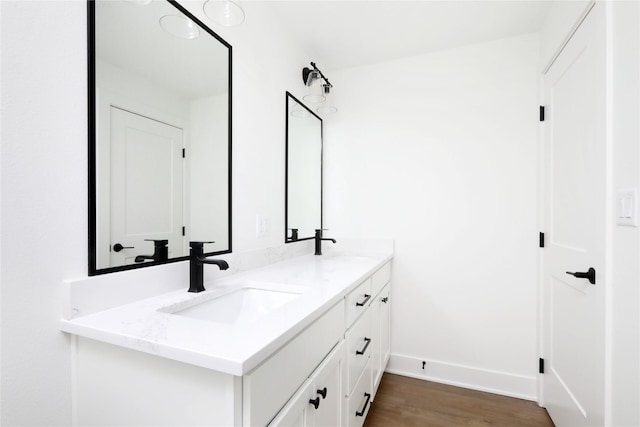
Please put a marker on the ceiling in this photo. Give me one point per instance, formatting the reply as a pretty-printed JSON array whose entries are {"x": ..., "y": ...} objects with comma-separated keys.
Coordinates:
[
  {"x": 344, "y": 34},
  {"x": 129, "y": 36}
]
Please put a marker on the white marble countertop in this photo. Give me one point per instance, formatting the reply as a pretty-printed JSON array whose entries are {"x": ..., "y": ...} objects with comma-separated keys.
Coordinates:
[{"x": 233, "y": 348}]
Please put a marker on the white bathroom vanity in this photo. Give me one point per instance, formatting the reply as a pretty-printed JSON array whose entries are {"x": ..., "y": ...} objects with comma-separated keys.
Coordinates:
[{"x": 299, "y": 342}]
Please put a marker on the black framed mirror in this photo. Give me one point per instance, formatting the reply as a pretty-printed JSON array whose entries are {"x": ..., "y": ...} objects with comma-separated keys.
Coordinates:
[
  {"x": 159, "y": 135},
  {"x": 303, "y": 176}
]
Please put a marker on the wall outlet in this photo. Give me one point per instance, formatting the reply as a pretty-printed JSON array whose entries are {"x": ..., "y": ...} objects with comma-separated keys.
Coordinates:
[{"x": 262, "y": 226}]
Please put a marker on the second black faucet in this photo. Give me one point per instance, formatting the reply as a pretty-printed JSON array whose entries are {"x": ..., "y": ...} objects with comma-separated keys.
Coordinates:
[{"x": 319, "y": 239}]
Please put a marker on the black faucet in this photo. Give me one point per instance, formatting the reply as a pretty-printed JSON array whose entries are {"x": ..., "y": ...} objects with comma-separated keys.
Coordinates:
[
  {"x": 160, "y": 251},
  {"x": 319, "y": 239},
  {"x": 196, "y": 266},
  {"x": 294, "y": 235}
]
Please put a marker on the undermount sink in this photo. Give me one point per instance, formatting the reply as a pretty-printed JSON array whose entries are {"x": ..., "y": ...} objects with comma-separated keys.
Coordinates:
[{"x": 242, "y": 305}]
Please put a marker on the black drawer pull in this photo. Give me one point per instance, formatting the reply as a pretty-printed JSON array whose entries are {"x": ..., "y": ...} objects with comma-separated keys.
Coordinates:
[
  {"x": 366, "y": 299},
  {"x": 315, "y": 402},
  {"x": 364, "y": 408},
  {"x": 322, "y": 392},
  {"x": 364, "y": 349},
  {"x": 385, "y": 299}
]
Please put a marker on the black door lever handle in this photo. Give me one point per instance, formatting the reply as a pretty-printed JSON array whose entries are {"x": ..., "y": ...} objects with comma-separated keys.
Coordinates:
[
  {"x": 590, "y": 274},
  {"x": 118, "y": 247}
]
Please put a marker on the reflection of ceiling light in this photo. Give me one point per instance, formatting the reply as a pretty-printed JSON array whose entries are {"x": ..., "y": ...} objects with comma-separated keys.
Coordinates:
[
  {"x": 140, "y": 2},
  {"x": 179, "y": 26},
  {"x": 224, "y": 12},
  {"x": 300, "y": 112},
  {"x": 327, "y": 109}
]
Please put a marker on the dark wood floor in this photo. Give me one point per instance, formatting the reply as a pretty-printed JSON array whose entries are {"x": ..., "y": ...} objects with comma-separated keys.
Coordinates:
[{"x": 403, "y": 401}]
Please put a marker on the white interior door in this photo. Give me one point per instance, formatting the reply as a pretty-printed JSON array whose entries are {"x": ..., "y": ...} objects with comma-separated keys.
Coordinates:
[
  {"x": 146, "y": 180},
  {"x": 575, "y": 199}
]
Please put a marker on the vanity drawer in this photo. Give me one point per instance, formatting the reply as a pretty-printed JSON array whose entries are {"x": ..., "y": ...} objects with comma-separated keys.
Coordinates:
[
  {"x": 357, "y": 301},
  {"x": 380, "y": 278},
  {"x": 268, "y": 387},
  {"x": 359, "y": 348},
  {"x": 359, "y": 402}
]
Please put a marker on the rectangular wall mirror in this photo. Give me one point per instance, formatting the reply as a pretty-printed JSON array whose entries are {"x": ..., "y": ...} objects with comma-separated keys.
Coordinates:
[
  {"x": 159, "y": 135},
  {"x": 303, "y": 183}
]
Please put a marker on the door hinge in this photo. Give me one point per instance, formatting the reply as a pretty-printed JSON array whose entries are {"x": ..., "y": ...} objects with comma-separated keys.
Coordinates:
[
  {"x": 541, "y": 366},
  {"x": 183, "y": 230},
  {"x": 184, "y": 153},
  {"x": 542, "y": 240},
  {"x": 542, "y": 113}
]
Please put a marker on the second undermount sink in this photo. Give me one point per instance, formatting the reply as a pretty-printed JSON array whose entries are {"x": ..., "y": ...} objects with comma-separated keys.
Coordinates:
[{"x": 242, "y": 305}]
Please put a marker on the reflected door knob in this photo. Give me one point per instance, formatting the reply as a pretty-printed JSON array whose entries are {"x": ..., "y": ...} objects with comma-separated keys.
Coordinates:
[{"x": 118, "y": 247}]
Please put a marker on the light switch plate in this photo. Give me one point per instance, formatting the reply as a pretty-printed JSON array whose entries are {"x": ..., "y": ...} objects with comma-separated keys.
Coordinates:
[
  {"x": 262, "y": 226},
  {"x": 626, "y": 209}
]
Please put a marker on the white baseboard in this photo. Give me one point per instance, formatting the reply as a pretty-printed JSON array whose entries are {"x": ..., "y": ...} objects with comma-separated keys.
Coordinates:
[{"x": 520, "y": 386}]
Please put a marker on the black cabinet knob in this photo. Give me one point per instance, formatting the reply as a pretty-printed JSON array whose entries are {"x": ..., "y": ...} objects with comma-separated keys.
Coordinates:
[
  {"x": 315, "y": 402},
  {"x": 322, "y": 393}
]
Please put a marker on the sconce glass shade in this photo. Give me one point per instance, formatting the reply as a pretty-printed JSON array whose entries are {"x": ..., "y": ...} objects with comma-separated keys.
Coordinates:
[
  {"x": 327, "y": 107},
  {"x": 179, "y": 26},
  {"x": 316, "y": 93},
  {"x": 224, "y": 12}
]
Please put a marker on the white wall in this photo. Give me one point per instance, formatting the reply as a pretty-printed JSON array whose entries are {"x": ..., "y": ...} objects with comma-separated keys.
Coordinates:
[
  {"x": 44, "y": 180},
  {"x": 207, "y": 181},
  {"x": 438, "y": 151},
  {"x": 142, "y": 96},
  {"x": 624, "y": 301},
  {"x": 44, "y": 219},
  {"x": 304, "y": 182}
]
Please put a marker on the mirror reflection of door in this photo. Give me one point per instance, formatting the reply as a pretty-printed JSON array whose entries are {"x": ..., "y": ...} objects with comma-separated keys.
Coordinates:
[{"x": 146, "y": 181}]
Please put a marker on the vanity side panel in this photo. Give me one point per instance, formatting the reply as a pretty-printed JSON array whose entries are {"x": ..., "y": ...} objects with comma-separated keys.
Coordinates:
[{"x": 117, "y": 386}]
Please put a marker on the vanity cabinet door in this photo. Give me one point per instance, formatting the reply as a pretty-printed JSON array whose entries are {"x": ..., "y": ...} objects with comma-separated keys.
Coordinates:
[
  {"x": 296, "y": 412},
  {"x": 319, "y": 401},
  {"x": 380, "y": 311},
  {"x": 385, "y": 326},
  {"x": 268, "y": 388},
  {"x": 327, "y": 386}
]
